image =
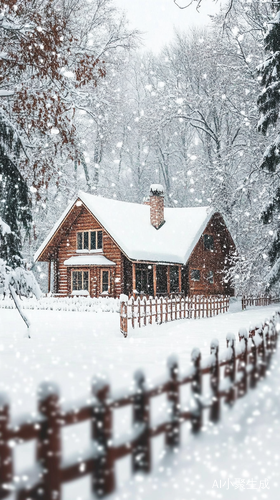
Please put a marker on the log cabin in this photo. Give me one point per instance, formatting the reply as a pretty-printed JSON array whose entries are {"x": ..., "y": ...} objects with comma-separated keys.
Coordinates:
[{"x": 104, "y": 247}]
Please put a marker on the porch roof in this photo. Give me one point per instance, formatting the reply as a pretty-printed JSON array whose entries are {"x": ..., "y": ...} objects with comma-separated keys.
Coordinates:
[{"x": 89, "y": 260}]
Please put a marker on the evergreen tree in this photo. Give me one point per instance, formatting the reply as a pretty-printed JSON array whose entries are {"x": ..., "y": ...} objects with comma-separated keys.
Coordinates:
[
  {"x": 269, "y": 108},
  {"x": 15, "y": 208}
]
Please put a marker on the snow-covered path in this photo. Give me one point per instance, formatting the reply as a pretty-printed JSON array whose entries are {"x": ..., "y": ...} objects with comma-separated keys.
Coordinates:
[{"x": 70, "y": 347}]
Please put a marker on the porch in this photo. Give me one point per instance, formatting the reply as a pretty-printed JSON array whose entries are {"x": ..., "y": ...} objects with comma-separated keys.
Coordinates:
[{"x": 154, "y": 279}]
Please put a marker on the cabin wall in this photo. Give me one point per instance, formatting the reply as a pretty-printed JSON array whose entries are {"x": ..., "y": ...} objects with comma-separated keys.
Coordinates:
[
  {"x": 216, "y": 260},
  {"x": 67, "y": 248}
]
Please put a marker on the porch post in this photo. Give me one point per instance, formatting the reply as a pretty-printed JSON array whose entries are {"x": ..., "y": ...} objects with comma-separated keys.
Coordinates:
[
  {"x": 49, "y": 275},
  {"x": 133, "y": 278},
  {"x": 180, "y": 279},
  {"x": 168, "y": 280},
  {"x": 155, "y": 279}
]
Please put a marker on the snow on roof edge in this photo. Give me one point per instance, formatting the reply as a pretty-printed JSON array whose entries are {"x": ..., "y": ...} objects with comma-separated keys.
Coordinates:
[
  {"x": 198, "y": 234},
  {"x": 210, "y": 212},
  {"x": 54, "y": 229}
]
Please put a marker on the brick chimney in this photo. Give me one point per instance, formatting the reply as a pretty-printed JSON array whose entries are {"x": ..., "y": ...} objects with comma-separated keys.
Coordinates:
[{"x": 156, "y": 205}]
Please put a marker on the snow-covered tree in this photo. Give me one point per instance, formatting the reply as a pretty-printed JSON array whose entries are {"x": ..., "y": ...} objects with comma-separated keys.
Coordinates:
[
  {"x": 53, "y": 54},
  {"x": 269, "y": 108}
]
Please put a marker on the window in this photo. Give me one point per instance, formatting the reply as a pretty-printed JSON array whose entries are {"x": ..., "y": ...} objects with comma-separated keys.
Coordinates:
[
  {"x": 208, "y": 242},
  {"x": 210, "y": 276},
  {"x": 79, "y": 280},
  {"x": 105, "y": 281},
  {"x": 89, "y": 240},
  {"x": 174, "y": 279},
  {"x": 195, "y": 275},
  {"x": 144, "y": 279}
]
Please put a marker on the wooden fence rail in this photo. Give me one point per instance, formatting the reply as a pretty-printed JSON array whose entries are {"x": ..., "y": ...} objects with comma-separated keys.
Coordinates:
[
  {"x": 244, "y": 364},
  {"x": 143, "y": 311},
  {"x": 262, "y": 300}
]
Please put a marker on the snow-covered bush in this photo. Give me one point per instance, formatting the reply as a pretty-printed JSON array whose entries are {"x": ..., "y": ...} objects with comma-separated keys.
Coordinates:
[{"x": 23, "y": 282}]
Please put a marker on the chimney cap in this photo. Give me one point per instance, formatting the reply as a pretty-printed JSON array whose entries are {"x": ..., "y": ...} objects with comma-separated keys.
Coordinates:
[{"x": 156, "y": 190}]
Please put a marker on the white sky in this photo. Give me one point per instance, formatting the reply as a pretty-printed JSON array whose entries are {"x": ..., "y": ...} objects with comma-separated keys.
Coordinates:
[{"x": 157, "y": 18}]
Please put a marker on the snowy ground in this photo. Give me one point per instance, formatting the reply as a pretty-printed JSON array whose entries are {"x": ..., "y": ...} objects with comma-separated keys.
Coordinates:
[{"x": 70, "y": 347}]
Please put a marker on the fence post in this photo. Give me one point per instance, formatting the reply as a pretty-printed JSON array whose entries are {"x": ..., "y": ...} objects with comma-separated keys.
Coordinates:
[
  {"x": 253, "y": 360},
  {"x": 196, "y": 387},
  {"x": 132, "y": 300},
  {"x": 242, "y": 366},
  {"x": 230, "y": 369},
  {"x": 214, "y": 382},
  {"x": 261, "y": 354},
  {"x": 145, "y": 311},
  {"x": 172, "y": 437},
  {"x": 123, "y": 315},
  {"x": 161, "y": 310},
  {"x": 141, "y": 451},
  {"x": 6, "y": 458},
  {"x": 103, "y": 482},
  {"x": 139, "y": 311},
  {"x": 49, "y": 442}
]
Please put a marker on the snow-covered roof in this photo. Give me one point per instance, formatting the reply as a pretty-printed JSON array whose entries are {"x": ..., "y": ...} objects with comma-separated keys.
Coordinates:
[
  {"x": 54, "y": 229},
  {"x": 89, "y": 260},
  {"x": 129, "y": 225}
]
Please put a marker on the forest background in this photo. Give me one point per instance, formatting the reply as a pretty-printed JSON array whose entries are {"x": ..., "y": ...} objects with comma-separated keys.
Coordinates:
[{"x": 84, "y": 106}]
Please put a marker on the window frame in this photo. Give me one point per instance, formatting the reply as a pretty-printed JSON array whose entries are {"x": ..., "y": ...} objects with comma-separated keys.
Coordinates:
[
  {"x": 209, "y": 278},
  {"x": 101, "y": 281},
  {"x": 97, "y": 239},
  {"x": 197, "y": 270},
  {"x": 207, "y": 235},
  {"x": 72, "y": 279}
]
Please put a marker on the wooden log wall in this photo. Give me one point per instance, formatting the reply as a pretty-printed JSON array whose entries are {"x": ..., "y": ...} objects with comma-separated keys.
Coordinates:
[
  {"x": 67, "y": 248},
  {"x": 231, "y": 375},
  {"x": 216, "y": 260}
]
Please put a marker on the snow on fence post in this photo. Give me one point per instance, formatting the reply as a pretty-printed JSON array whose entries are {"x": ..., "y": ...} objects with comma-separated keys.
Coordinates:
[
  {"x": 214, "y": 382},
  {"x": 49, "y": 443},
  {"x": 141, "y": 451},
  {"x": 102, "y": 431},
  {"x": 123, "y": 314},
  {"x": 230, "y": 369},
  {"x": 172, "y": 437},
  {"x": 242, "y": 366},
  {"x": 6, "y": 459},
  {"x": 196, "y": 387}
]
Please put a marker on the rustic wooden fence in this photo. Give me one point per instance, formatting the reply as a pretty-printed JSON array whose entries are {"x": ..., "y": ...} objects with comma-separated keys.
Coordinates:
[
  {"x": 143, "y": 311},
  {"x": 262, "y": 300},
  {"x": 244, "y": 364}
]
